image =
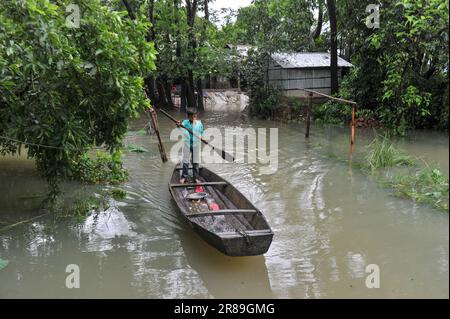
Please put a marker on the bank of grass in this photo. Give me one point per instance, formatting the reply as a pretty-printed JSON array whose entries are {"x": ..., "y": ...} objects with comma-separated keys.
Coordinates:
[
  {"x": 426, "y": 185},
  {"x": 382, "y": 154}
]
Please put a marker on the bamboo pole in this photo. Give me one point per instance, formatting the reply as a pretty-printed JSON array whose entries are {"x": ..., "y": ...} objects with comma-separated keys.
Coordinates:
[
  {"x": 308, "y": 114},
  {"x": 353, "y": 126},
  {"x": 162, "y": 151},
  {"x": 330, "y": 97},
  {"x": 8, "y": 227}
]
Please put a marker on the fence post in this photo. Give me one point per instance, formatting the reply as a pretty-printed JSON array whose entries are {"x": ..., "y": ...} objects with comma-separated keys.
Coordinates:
[
  {"x": 353, "y": 125},
  {"x": 308, "y": 114}
]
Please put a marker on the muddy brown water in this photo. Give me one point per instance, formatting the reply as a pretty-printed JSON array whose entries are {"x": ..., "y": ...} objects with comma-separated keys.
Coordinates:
[{"x": 330, "y": 221}]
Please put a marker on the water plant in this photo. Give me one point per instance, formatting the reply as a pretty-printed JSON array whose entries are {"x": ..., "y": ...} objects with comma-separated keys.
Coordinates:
[
  {"x": 117, "y": 193},
  {"x": 382, "y": 154},
  {"x": 83, "y": 206},
  {"x": 427, "y": 185},
  {"x": 136, "y": 149}
]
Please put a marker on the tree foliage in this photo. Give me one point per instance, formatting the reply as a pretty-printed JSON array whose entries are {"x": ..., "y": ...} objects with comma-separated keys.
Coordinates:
[
  {"x": 68, "y": 88},
  {"x": 401, "y": 69},
  {"x": 190, "y": 48},
  {"x": 273, "y": 25}
]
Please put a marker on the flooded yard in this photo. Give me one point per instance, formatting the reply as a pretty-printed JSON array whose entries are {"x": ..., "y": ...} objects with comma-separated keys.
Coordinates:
[{"x": 330, "y": 222}]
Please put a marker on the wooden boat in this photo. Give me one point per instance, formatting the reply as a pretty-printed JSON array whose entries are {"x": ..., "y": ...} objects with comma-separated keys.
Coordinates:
[{"x": 238, "y": 228}]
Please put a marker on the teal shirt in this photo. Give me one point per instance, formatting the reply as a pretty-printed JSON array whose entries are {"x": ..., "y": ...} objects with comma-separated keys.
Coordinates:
[{"x": 197, "y": 128}]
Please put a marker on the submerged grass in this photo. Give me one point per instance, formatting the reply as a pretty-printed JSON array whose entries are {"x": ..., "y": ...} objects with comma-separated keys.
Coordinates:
[
  {"x": 136, "y": 149},
  {"x": 382, "y": 154},
  {"x": 427, "y": 185},
  {"x": 118, "y": 193},
  {"x": 84, "y": 206},
  {"x": 415, "y": 181},
  {"x": 79, "y": 207}
]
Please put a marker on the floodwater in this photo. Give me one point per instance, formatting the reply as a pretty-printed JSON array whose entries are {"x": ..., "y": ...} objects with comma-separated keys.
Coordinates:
[{"x": 330, "y": 222}]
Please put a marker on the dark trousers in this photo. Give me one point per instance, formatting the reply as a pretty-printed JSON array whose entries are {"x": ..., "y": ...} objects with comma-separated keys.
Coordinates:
[
  {"x": 195, "y": 170},
  {"x": 195, "y": 166}
]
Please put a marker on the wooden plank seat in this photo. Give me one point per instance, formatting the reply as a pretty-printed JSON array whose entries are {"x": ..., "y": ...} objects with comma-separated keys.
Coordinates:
[
  {"x": 198, "y": 184},
  {"x": 223, "y": 212}
]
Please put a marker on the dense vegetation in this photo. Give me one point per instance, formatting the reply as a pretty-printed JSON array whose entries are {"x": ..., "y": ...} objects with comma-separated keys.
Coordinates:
[
  {"x": 401, "y": 73},
  {"x": 420, "y": 182},
  {"x": 65, "y": 89},
  {"x": 401, "y": 68},
  {"x": 191, "y": 50}
]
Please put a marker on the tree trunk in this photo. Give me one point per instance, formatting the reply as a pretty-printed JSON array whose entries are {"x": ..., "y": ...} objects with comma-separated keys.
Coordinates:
[
  {"x": 190, "y": 91},
  {"x": 318, "y": 30},
  {"x": 150, "y": 83},
  {"x": 178, "y": 54},
  {"x": 333, "y": 32},
  {"x": 191, "y": 10},
  {"x": 183, "y": 96},
  {"x": 208, "y": 76},
  {"x": 151, "y": 30},
  {"x": 200, "y": 105},
  {"x": 206, "y": 10},
  {"x": 129, "y": 10},
  {"x": 168, "y": 90},
  {"x": 150, "y": 79},
  {"x": 161, "y": 93}
]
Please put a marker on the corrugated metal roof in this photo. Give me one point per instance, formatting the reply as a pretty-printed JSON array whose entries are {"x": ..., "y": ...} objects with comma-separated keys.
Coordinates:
[{"x": 306, "y": 60}]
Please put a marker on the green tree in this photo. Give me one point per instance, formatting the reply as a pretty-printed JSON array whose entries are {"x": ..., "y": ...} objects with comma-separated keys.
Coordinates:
[
  {"x": 401, "y": 69},
  {"x": 68, "y": 88}
]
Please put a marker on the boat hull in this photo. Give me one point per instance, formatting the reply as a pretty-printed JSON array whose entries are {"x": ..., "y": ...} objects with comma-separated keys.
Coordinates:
[{"x": 250, "y": 238}]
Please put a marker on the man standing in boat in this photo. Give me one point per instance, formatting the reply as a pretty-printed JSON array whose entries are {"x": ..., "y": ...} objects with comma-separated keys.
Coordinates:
[{"x": 191, "y": 148}]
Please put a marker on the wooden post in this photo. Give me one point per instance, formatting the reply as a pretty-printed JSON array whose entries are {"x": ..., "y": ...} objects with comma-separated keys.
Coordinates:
[
  {"x": 352, "y": 140},
  {"x": 353, "y": 125},
  {"x": 162, "y": 151},
  {"x": 354, "y": 105},
  {"x": 308, "y": 114},
  {"x": 239, "y": 78}
]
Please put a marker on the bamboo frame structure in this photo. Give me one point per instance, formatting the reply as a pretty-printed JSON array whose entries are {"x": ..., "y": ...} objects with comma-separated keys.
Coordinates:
[{"x": 308, "y": 114}]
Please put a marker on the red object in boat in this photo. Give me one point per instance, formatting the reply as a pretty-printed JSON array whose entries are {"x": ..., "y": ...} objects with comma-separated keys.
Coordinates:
[
  {"x": 199, "y": 189},
  {"x": 214, "y": 206}
]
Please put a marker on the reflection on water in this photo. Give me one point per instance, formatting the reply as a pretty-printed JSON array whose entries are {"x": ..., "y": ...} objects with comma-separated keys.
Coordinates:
[
  {"x": 329, "y": 221},
  {"x": 223, "y": 276}
]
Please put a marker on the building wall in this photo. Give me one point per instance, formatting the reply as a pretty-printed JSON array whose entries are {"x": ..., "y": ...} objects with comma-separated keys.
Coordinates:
[
  {"x": 290, "y": 80},
  {"x": 225, "y": 100}
]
